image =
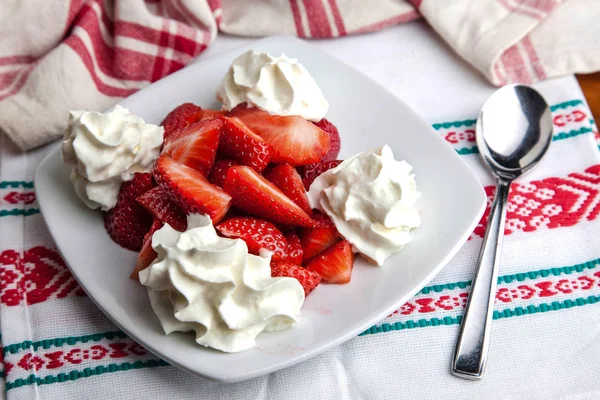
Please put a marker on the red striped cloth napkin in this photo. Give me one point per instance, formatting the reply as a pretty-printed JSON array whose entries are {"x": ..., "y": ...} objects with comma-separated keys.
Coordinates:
[{"x": 89, "y": 54}]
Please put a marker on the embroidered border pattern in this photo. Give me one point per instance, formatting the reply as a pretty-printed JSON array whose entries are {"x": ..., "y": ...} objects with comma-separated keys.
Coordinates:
[{"x": 571, "y": 119}]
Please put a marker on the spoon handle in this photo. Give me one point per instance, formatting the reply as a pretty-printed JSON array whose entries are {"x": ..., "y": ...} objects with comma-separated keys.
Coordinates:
[{"x": 471, "y": 349}]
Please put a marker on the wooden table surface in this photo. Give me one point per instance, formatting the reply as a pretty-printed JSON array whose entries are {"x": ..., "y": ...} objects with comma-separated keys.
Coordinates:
[{"x": 590, "y": 84}]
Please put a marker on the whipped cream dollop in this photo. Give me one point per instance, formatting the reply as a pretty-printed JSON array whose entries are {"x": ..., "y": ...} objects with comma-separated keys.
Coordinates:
[
  {"x": 211, "y": 285},
  {"x": 371, "y": 199},
  {"x": 106, "y": 149},
  {"x": 277, "y": 85}
]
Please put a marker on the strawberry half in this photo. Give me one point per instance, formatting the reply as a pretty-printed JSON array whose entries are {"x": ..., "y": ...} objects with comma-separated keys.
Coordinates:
[
  {"x": 196, "y": 145},
  {"x": 310, "y": 172},
  {"x": 160, "y": 203},
  {"x": 308, "y": 279},
  {"x": 191, "y": 190},
  {"x": 334, "y": 139},
  {"x": 295, "y": 248},
  {"x": 184, "y": 115},
  {"x": 147, "y": 253},
  {"x": 239, "y": 143},
  {"x": 295, "y": 140},
  {"x": 322, "y": 236},
  {"x": 127, "y": 222},
  {"x": 287, "y": 179},
  {"x": 180, "y": 117},
  {"x": 219, "y": 172},
  {"x": 334, "y": 264},
  {"x": 254, "y": 194},
  {"x": 258, "y": 234}
]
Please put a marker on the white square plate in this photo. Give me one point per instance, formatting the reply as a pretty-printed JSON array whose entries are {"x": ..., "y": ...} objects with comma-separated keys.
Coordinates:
[{"x": 367, "y": 116}]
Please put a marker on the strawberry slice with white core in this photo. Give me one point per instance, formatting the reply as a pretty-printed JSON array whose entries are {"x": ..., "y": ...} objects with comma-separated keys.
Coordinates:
[
  {"x": 287, "y": 179},
  {"x": 195, "y": 145},
  {"x": 252, "y": 193},
  {"x": 239, "y": 143},
  {"x": 295, "y": 140},
  {"x": 322, "y": 236},
  {"x": 334, "y": 264},
  {"x": 191, "y": 190}
]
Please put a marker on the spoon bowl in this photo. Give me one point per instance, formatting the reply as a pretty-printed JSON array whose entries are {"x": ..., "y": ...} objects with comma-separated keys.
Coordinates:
[{"x": 514, "y": 131}]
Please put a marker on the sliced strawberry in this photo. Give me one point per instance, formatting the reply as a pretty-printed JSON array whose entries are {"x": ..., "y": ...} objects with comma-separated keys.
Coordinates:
[
  {"x": 219, "y": 172},
  {"x": 254, "y": 194},
  {"x": 334, "y": 264},
  {"x": 160, "y": 203},
  {"x": 315, "y": 240},
  {"x": 295, "y": 140},
  {"x": 180, "y": 117},
  {"x": 191, "y": 190},
  {"x": 287, "y": 179},
  {"x": 147, "y": 253},
  {"x": 127, "y": 222},
  {"x": 308, "y": 279},
  {"x": 207, "y": 113},
  {"x": 309, "y": 173},
  {"x": 295, "y": 248},
  {"x": 239, "y": 143},
  {"x": 184, "y": 115},
  {"x": 258, "y": 234},
  {"x": 196, "y": 145},
  {"x": 334, "y": 139}
]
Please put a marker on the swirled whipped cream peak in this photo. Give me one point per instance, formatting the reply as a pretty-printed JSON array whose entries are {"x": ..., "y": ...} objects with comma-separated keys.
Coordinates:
[
  {"x": 211, "y": 285},
  {"x": 105, "y": 150},
  {"x": 277, "y": 85},
  {"x": 371, "y": 199}
]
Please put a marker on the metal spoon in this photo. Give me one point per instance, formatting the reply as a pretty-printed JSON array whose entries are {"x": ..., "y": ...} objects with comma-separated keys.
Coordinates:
[{"x": 514, "y": 130}]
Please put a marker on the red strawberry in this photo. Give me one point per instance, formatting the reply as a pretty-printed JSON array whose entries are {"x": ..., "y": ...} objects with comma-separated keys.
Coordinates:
[
  {"x": 334, "y": 264},
  {"x": 310, "y": 172},
  {"x": 160, "y": 203},
  {"x": 147, "y": 253},
  {"x": 295, "y": 140},
  {"x": 219, "y": 172},
  {"x": 287, "y": 179},
  {"x": 315, "y": 240},
  {"x": 258, "y": 234},
  {"x": 180, "y": 117},
  {"x": 128, "y": 222},
  {"x": 196, "y": 145},
  {"x": 254, "y": 194},
  {"x": 308, "y": 279},
  {"x": 184, "y": 115},
  {"x": 334, "y": 139},
  {"x": 207, "y": 113},
  {"x": 244, "y": 146},
  {"x": 191, "y": 190},
  {"x": 295, "y": 248}
]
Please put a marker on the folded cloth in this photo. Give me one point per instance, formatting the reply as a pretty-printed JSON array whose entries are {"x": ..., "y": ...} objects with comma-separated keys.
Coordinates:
[
  {"x": 63, "y": 55},
  {"x": 58, "y": 345}
]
